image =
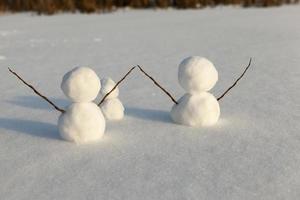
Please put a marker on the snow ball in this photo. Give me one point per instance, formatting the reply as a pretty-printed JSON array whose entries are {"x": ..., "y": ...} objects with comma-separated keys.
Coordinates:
[
  {"x": 197, "y": 74},
  {"x": 196, "y": 110},
  {"x": 112, "y": 109},
  {"x": 81, "y": 84},
  {"x": 107, "y": 85},
  {"x": 82, "y": 123}
]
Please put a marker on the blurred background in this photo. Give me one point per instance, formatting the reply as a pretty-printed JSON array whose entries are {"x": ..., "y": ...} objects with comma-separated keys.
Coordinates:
[{"x": 89, "y": 6}]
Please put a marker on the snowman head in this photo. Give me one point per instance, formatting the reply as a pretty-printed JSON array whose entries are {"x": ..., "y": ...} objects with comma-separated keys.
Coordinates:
[
  {"x": 197, "y": 74},
  {"x": 81, "y": 84},
  {"x": 107, "y": 84}
]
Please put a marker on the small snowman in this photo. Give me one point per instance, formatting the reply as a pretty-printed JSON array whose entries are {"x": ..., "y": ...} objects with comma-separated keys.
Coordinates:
[
  {"x": 83, "y": 121},
  {"x": 197, "y": 107},
  {"x": 111, "y": 107}
]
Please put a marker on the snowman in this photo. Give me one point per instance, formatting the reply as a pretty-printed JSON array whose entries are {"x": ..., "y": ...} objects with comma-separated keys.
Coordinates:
[
  {"x": 82, "y": 121},
  {"x": 111, "y": 107},
  {"x": 197, "y": 107}
]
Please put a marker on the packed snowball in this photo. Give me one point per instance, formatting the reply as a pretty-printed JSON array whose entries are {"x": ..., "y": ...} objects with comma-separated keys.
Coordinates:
[
  {"x": 81, "y": 84},
  {"x": 197, "y": 74},
  {"x": 112, "y": 109},
  {"x": 196, "y": 110},
  {"x": 197, "y": 107},
  {"x": 107, "y": 85},
  {"x": 82, "y": 123}
]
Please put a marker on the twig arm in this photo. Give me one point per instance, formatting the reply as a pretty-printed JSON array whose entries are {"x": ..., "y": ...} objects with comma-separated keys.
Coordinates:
[
  {"x": 118, "y": 83},
  {"x": 36, "y": 92},
  {"x": 157, "y": 84},
  {"x": 237, "y": 80}
]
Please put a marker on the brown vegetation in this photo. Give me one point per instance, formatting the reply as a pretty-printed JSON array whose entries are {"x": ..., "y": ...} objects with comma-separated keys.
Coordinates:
[{"x": 88, "y": 6}]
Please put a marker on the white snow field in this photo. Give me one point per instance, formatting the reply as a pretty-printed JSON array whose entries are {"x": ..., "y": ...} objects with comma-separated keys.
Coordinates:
[{"x": 253, "y": 152}]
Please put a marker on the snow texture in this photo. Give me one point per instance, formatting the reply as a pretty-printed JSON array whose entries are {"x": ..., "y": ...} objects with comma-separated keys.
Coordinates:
[
  {"x": 81, "y": 84},
  {"x": 107, "y": 85},
  {"x": 112, "y": 109},
  {"x": 82, "y": 123},
  {"x": 252, "y": 153},
  {"x": 196, "y": 110},
  {"x": 197, "y": 74}
]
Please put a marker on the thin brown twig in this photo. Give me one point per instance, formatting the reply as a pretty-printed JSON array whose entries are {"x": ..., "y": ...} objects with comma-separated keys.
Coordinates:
[
  {"x": 157, "y": 84},
  {"x": 219, "y": 98},
  {"x": 36, "y": 92},
  {"x": 118, "y": 83}
]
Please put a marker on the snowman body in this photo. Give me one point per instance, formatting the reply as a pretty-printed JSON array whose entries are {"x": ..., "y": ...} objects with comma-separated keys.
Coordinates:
[
  {"x": 197, "y": 107},
  {"x": 83, "y": 121},
  {"x": 111, "y": 107}
]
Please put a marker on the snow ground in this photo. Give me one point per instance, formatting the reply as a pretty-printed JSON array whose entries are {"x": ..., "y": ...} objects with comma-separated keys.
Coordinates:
[{"x": 252, "y": 153}]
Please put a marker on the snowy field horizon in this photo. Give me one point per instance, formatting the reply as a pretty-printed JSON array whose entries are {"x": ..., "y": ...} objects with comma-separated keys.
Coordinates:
[{"x": 253, "y": 152}]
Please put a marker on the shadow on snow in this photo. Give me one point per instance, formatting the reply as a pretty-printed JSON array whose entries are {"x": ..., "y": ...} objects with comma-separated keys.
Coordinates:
[
  {"x": 37, "y": 102},
  {"x": 148, "y": 114},
  {"x": 34, "y": 128}
]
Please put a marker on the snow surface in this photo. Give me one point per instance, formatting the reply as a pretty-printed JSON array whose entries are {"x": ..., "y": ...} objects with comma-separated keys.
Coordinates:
[{"x": 253, "y": 152}]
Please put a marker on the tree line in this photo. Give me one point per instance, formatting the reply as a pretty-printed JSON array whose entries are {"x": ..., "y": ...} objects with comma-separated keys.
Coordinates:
[{"x": 89, "y": 6}]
